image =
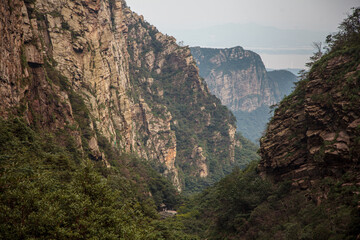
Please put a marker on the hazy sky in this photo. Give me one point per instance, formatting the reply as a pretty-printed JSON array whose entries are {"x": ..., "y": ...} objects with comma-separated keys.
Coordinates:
[
  {"x": 175, "y": 16},
  {"x": 286, "y": 14}
]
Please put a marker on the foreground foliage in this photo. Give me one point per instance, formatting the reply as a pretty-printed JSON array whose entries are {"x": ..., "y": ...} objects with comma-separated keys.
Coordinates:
[
  {"x": 244, "y": 206},
  {"x": 45, "y": 194}
]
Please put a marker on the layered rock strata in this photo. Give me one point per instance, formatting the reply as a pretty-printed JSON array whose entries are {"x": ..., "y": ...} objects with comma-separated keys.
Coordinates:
[{"x": 315, "y": 131}]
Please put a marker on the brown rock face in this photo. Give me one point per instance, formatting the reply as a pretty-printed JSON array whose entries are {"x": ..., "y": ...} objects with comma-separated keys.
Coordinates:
[
  {"x": 200, "y": 159},
  {"x": 96, "y": 69},
  {"x": 315, "y": 131},
  {"x": 90, "y": 50},
  {"x": 169, "y": 82},
  {"x": 24, "y": 84},
  {"x": 11, "y": 41}
]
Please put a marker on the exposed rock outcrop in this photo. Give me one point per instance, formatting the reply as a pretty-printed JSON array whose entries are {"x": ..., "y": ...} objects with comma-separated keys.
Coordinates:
[
  {"x": 25, "y": 87},
  {"x": 315, "y": 131},
  {"x": 169, "y": 81},
  {"x": 99, "y": 71}
]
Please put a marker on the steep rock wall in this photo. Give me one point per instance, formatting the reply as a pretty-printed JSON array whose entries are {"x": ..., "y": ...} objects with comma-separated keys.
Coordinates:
[
  {"x": 237, "y": 76},
  {"x": 316, "y": 130},
  {"x": 169, "y": 81},
  {"x": 25, "y": 87},
  {"x": 97, "y": 70}
]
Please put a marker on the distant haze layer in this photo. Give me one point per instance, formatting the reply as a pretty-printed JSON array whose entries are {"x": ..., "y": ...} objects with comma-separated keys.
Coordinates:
[
  {"x": 279, "y": 48},
  {"x": 281, "y": 31},
  {"x": 285, "y": 61}
]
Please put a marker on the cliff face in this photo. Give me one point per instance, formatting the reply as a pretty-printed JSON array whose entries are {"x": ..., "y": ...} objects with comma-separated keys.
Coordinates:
[
  {"x": 315, "y": 131},
  {"x": 95, "y": 70},
  {"x": 239, "y": 78},
  {"x": 25, "y": 88},
  {"x": 169, "y": 83}
]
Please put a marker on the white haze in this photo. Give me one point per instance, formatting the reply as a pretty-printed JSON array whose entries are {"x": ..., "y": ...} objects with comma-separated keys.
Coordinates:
[{"x": 281, "y": 31}]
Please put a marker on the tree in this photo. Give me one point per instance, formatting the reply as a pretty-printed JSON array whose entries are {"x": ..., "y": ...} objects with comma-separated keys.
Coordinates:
[
  {"x": 317, "y": 54},
  {"x": 349, "y": 31}
]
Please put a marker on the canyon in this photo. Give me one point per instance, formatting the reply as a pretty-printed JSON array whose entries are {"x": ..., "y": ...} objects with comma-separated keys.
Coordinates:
[{"x": 104, "y": 121}]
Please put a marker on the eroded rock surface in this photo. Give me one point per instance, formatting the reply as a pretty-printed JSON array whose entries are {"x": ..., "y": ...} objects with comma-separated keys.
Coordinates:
[
  {"x": 315, "y": 131},
  {"x": 97, "y": 70}
]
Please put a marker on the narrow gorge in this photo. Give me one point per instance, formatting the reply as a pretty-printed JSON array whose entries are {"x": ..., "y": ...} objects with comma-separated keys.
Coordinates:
[{"x": 107, "y": 131}]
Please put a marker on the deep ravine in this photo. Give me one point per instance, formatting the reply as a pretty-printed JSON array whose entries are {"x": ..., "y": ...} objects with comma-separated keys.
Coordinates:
[{"x": 105, "y": 121}]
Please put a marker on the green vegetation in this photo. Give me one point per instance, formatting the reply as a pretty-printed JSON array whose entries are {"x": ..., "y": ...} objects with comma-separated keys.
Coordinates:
[
  {"x": 45, "y": 194},
  {"x": 244, "y": 206},
  {"x": 80, "y": 111},
  {"x": 49, "y": 189},
  {"x": 248, "y": 123},
  {"x": 349, "y": 32},
  {"x": 247, "y": 153},
  {"x": 200, "y": 120}
]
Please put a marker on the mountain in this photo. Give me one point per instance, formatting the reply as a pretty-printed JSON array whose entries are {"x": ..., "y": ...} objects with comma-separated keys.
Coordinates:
[
  {"x": 102, "y": 118},
  {"x": 239, "y": 78},
  {"x": 294, "y": 71},
  {"x": 307, "y": 183},
  {"x": 284, "y": 80},
  {"x": 100, "y": 75}
]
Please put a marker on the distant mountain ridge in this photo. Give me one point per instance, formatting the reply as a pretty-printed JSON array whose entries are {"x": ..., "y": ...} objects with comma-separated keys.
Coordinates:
[
  {"x": 239, "y": 78},
  {"x": 294, "y": 71},
  {"x": 283, "y": 79}
]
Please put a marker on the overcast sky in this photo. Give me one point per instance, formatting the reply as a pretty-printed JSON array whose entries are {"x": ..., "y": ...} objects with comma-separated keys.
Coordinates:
[{"x": 175, "y": 17}]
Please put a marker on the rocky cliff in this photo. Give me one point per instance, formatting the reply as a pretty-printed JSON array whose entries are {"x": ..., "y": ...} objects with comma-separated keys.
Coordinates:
[
  {"x": 239, "y": 78},
  {"x": 316, "y": 130},
  {"x": 99, "y": 72}
]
